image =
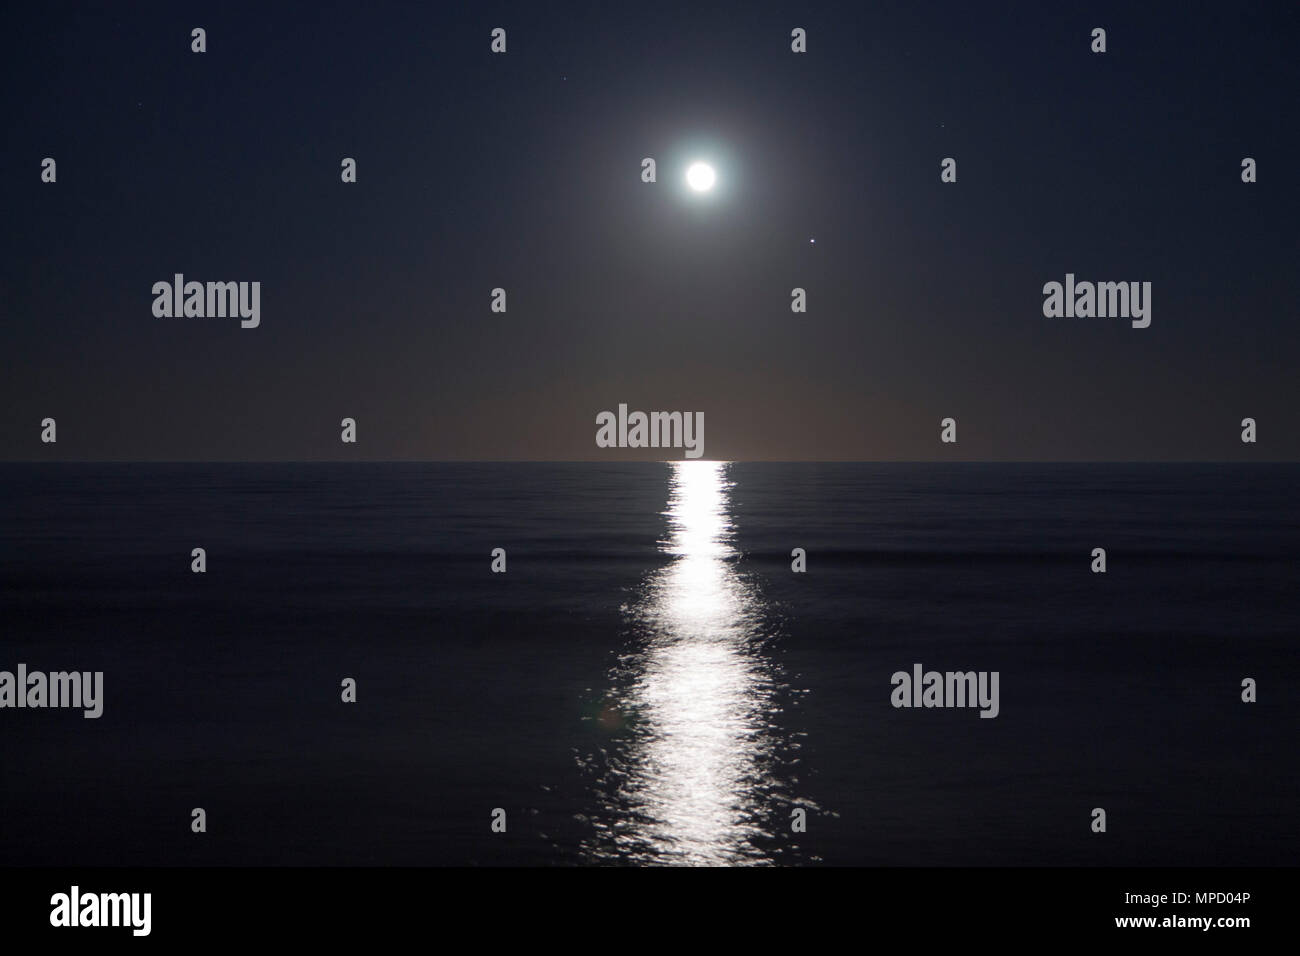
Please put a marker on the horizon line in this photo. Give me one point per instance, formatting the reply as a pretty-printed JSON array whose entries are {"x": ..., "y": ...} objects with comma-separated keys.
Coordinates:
[{"x": 642, "y": 461}]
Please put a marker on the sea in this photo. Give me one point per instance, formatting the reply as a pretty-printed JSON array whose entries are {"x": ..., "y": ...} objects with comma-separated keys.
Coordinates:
[{"x": 652, "y": 663}]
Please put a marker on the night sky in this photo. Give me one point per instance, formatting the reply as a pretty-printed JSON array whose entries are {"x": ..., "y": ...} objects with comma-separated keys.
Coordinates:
[{"x": 523, "y": 170}]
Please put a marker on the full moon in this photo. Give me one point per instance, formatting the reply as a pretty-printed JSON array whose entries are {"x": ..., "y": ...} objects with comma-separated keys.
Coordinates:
[{"x": 700, "y": 177}]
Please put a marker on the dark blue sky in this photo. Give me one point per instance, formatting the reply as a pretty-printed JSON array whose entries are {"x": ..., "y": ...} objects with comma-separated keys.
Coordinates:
[{"x": 522, "y": 171}]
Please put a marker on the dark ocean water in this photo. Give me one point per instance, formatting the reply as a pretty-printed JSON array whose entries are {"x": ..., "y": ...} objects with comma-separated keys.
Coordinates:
[{"x": 649, "y": 682}]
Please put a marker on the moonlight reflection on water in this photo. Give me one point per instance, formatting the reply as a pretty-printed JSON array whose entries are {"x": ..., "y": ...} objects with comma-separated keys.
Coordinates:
[{"x": 695, "y": 778}]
